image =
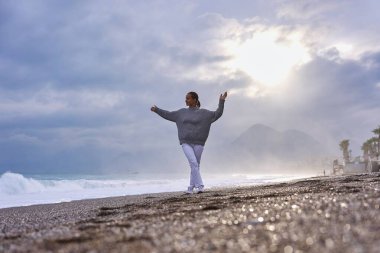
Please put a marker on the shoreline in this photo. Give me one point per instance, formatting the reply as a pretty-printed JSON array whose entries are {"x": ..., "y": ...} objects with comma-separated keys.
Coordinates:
[
  {"x": 246, "y": 182},
  {"x": 316, "y": 214}
]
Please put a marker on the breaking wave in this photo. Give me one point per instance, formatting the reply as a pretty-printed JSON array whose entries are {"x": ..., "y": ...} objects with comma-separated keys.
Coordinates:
[{"x": 19, "y": 190}]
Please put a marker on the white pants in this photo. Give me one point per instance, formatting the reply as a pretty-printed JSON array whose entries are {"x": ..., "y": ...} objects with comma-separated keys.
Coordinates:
[{"x": 193, "y": 153}]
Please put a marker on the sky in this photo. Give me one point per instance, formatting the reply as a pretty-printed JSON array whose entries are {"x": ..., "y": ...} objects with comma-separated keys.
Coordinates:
[{"x": 78, "y": 78}]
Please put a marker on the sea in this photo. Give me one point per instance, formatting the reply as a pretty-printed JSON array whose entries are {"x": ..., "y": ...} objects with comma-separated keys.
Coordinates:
[{"x": 23, "y": 190}]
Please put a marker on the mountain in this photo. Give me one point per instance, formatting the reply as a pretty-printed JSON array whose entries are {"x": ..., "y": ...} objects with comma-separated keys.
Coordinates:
[{"x": 261, "y": 142}]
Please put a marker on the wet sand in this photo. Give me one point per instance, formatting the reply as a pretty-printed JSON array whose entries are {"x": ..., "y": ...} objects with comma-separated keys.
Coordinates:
[{"x": 320, "y": 214}]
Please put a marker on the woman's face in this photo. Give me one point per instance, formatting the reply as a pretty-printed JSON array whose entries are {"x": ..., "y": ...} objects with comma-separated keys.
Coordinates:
[{"x": 190, "y": 101}]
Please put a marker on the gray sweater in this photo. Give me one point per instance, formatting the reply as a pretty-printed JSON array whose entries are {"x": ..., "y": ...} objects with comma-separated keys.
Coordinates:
[{"x": 193, "y": 124}]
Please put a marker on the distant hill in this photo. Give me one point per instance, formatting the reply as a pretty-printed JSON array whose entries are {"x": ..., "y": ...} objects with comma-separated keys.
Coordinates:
[
  {"x": 261, "y": 141},
  {"x": 262, "y": 149}
]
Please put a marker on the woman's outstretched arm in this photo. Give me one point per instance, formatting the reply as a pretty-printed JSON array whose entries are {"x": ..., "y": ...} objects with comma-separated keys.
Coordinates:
[
  {"x": 218, "y": 113},
  {"x": 172, "y": 116}
]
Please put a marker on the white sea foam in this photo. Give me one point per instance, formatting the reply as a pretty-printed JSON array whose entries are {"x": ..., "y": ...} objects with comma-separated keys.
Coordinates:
[{"x": 19, "y": 190}]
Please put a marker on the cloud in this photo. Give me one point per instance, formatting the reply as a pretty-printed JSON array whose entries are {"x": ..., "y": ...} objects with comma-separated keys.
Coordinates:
[
  {"x": 77, "y": 87},
  {"x": 305, "y": 10}
]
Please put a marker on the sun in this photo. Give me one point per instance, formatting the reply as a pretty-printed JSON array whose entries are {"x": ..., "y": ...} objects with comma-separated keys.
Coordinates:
[{"x": 266, "y": 57}]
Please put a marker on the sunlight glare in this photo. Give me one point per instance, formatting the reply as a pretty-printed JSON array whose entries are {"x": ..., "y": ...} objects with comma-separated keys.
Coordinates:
[{"x": 267, "y": 59}]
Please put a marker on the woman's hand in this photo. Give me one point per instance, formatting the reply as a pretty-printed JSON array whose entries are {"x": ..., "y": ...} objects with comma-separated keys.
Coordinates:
[
  {"x": 223, "y": 97},
  {"x": 153, "y": 109}
]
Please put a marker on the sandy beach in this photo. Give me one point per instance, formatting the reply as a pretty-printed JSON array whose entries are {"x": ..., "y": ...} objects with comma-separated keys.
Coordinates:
[{"x": 319, "y": 214}]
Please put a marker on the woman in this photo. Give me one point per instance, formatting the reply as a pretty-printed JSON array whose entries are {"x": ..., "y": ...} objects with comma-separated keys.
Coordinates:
[{"x": 193, "y": 126}]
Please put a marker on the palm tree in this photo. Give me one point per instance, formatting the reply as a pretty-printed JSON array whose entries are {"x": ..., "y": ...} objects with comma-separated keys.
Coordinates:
[
  {"x": 372, "y": 143},
  {"x": 366, "y": 147},
  {"x": 375, "y": 147},
  {"x": 344, "y": 144},
  {"x": 377, "y": 131}
]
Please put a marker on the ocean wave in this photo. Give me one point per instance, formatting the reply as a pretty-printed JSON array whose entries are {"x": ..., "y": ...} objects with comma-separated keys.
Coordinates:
[
  {"x": 19, "y": 190},
  {"x": 13, "y": 183}
]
